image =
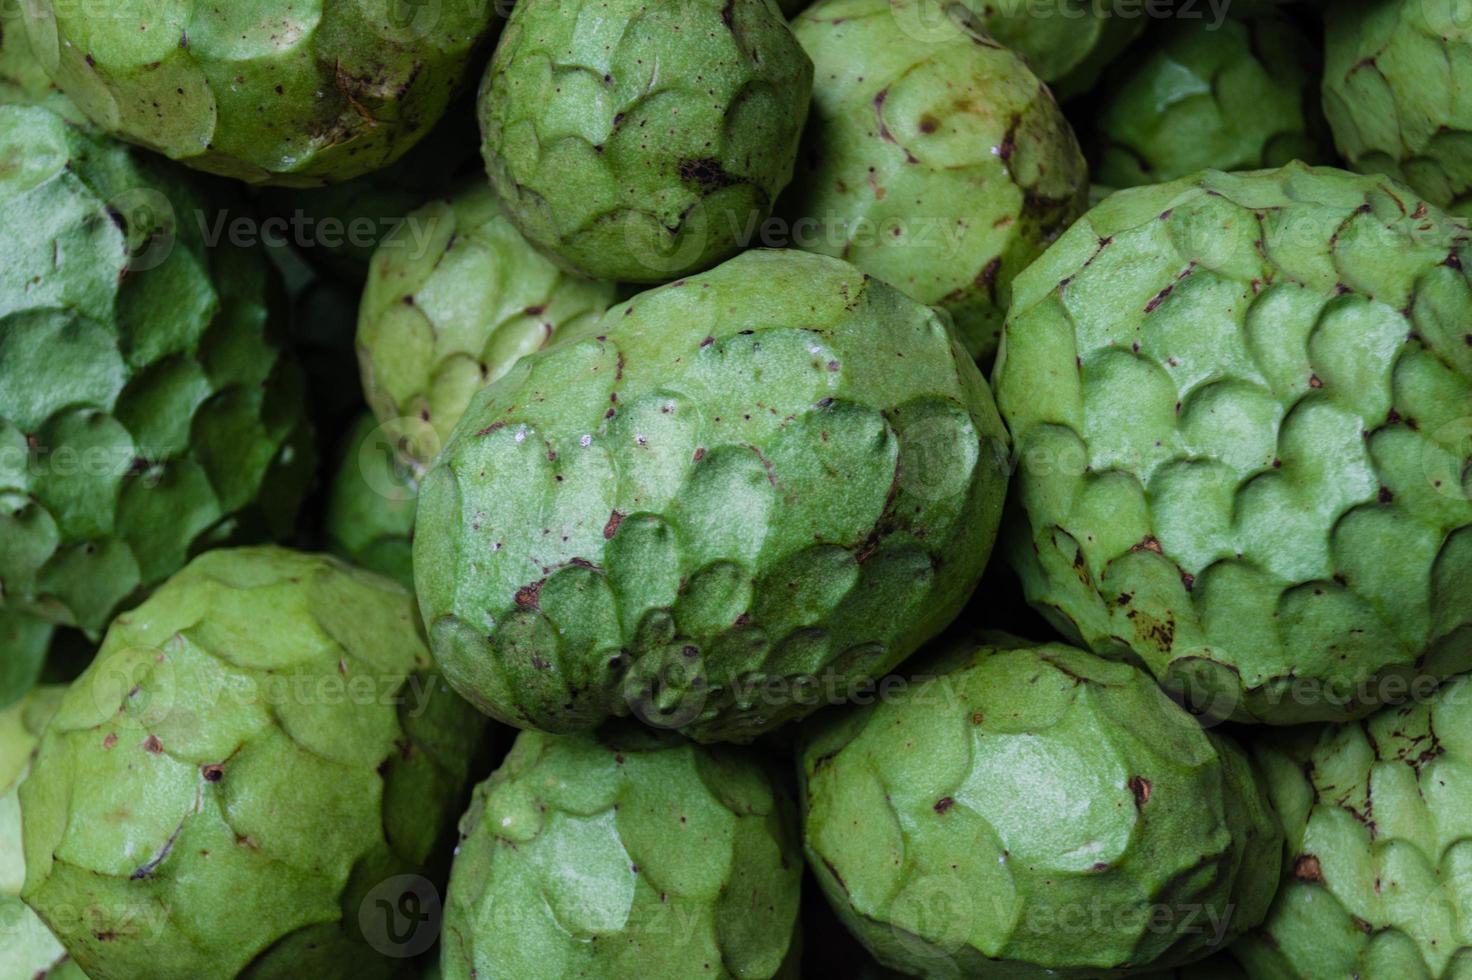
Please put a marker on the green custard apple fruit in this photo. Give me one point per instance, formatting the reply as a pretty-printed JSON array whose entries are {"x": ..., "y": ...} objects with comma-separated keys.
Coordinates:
[
  {"x": 750, "y": 491},
  {"x": 1018, "y": 811},
  {"x": 1067, "y": 42},
  {"x": 1396, "y": 93},
  {"x": 24, "y": 643},
  {"x": 936, "y": 162},
  {"x": 148, "y": 409},
  {"x": 1379, "y": 870},
  {"x": 641, "y": 142},
  {"x": 22, "y": 79},
  {"x": 1240, "y": 95},
  {"x": 28, "y": 950},
  {"x": 1241, "y": 407},
  {"x": 454, "y": 297},
  {"x": 257, "y": 770},
  {"x": 625, "y": 856},
  {"x": 299, "y": 93},
  {"x": 370, "y": 506}
]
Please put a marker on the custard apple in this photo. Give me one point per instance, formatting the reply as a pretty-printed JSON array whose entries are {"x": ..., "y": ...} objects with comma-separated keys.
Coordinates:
[
  {"x": 749, "y": 493},
  {"x": 641, "y": 142},
  {"x": 624, "y": 856},
  {"x": 1396, "y": 93},
  {"x": 24, "y": 642},
  {"x": 370, "y": 506},
  {"x": 28, "y": 950},
  {"x": 253, "y": 778},
  {"x": 22, "y": 79},
  {"x": 1034, "y": 811},
  {"x": 147, "y": 407},
  {"x": 1067, "y": 42},
  {"x": 1238, "y": 96},
  {"x": 1241, "y": 409},
  {"x": 1379, "y": 877},
  {"x": 454, "y": 297},
  {"x": 292, "y": 92},
  {"x": 937, "y": 162}
]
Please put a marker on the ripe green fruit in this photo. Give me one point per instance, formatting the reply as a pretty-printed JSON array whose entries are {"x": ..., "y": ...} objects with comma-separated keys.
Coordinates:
[
  {"x": 935, "y": 161},
  {"x": 751, "y": 490},
  {"x": 292, "y": 92},
  {"x": 22, "y": 79},
  {"x": 625, "y": 856},
  {"x": 1068, "y": 43},
  {"x": 147, "y": 407},
  {"x": 370, "y": 506},
  {"x": 455, "y": 296},
  {"x": 1240, "y": 404},
  {"x": 1379, "y": 865},
  {"x": 641, "y": 142},
  {"x": 1240, "y": 95},
  {"x": 24, "y": 642},
  {"x": 1020, "y": 811},
  {"x": 258, "y": 764},
  {"x": 1395, "y": 92},
  {"x": 27, "y": 947}
]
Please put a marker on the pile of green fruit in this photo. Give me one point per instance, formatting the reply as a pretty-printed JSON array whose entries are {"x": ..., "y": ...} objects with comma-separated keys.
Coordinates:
[{"x": 612, "y": 457}]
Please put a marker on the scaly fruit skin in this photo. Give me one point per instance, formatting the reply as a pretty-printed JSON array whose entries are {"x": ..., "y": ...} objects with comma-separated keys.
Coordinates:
[
  {"x": 24, "y": 641},
  {"x": 753, "y": 489},
  {"x": 256, "y": 754},
  {"x": 687, "y": 864},
  {"x": 298, "y": 93},
  {"x": 1068, "y": 43},
  {"x": 966, "y": 174},
  {"x": 1240, "y": 404},
  {"x": 641, "y": 142},
  {"x": 454, "y": 297},
  {"x": 370, "y": 507},
  {"x": 147, "y": 409},
  {"x": 22, "y": 79},
  {"x": 1396, "y": 95},
  {"x": 1021, "y": 811},
  {"x": 1379, "y": 873},
  {"x": 1241, "y": 95},
  {"x": 27, "y": 947}
]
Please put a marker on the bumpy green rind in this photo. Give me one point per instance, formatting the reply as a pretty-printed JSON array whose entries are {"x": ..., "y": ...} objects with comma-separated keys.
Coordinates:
[
  {"x": 641, "y": 142},
  {"x": 1068, "y": 43},
  {"x": 1396, "y": 93},
  {"x": 24, "y": 641},
  {"x": 28, "y": 950},
  {"x": 1240, "y": 95},
  {"x": 147, "y": 407},
  {"x": 1241, "y": 410},
  {"x": 686, "y": 864},
  {"x": 936, "y": 161},
  {"x": 370, "y": 507},
  {"x": 1019, "y": 811},
  {"x": 454, "y": 297},
  {"x": 1379, "y": 869},
  {"x": 292, "y": 92},
  {"x": 753, "y": 489},
  {"x": 236, "y": 784},
  {"x": 22, "y": 79}
]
